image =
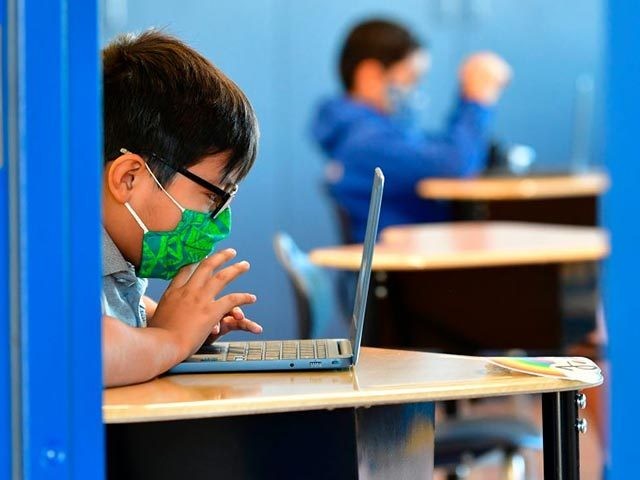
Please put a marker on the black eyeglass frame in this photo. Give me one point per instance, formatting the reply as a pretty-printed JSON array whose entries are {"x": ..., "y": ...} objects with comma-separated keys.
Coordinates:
[{"x": 227, "y": 197}]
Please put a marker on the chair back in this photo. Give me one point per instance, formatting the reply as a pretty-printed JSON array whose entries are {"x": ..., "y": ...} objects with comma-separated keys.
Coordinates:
[
  {"x": 312, "y": 287},
  {"x": 341, "y": 216}
]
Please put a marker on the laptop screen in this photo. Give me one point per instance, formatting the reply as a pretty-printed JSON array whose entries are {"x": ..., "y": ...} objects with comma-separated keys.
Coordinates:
[{"x": 362, "y": 287}]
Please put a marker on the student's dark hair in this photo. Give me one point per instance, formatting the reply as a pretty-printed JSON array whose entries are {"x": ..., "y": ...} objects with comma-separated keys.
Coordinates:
[
  {"x": 377, "y": 39},
  {"x": 162, "y": 97}
]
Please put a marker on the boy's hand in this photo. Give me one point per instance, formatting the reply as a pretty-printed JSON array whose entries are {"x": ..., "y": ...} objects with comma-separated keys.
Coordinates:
[
  {"x": 234, "y": 320},
  {"x": 483, "y": 76},
  {"x": 189, "y": 310}
]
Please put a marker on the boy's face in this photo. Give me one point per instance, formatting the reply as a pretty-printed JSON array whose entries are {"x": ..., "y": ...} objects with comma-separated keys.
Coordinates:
[
  {"x": 163, "y": 214},
  {"x": 373, "y": 81},
  {"x": 128, "y": 180}
]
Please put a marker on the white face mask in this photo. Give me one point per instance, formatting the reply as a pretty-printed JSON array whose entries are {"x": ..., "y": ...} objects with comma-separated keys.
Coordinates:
[
  {"x": 408, "y": 99},
  {"x": 421, "y": 62}
]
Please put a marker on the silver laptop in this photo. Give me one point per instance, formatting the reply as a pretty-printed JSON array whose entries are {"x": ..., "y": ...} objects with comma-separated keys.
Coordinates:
[{"x": 317, "y": 354}]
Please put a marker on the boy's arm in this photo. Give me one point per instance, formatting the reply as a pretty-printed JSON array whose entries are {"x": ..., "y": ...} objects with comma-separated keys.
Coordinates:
[
  {"x": 150, "y": 306},
  {"x": 184, "y": 317},
  {"x": 133, "y": 355}
]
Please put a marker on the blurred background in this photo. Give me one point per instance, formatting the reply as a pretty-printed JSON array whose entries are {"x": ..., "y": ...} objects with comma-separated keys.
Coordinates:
[{"x": 283, "y": 54}]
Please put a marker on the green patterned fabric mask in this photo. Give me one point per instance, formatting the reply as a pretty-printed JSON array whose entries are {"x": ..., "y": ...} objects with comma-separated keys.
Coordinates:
[{"x": 191, "y": 241}]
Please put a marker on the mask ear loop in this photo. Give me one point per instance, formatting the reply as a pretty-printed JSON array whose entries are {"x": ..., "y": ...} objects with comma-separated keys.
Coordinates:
[
  {"x": 163, "y": 189},
  {"x": 136, "y": 217},
  {"x": 182, "y": 209}
]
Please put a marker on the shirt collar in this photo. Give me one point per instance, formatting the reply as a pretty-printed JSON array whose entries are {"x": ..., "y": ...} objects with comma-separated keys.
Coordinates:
[{"x": 112, "y": 259}]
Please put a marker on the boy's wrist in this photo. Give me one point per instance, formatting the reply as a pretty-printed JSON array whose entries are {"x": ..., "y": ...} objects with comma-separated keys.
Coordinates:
[
  {"x": 180, "y": 346},
  {"x": 174, "y": 346}
]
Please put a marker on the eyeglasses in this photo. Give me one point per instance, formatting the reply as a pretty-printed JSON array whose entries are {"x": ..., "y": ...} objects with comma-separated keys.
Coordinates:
[{"x": 221, "y": 198}]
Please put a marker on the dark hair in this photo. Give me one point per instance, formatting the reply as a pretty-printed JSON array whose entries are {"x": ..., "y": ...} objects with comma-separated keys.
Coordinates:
[
  {"x": 162, "y": 97},
  {"x": 376, "y": 39}
]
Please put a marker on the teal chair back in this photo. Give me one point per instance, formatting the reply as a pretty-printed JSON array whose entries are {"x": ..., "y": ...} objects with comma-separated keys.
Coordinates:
[{"x": 312, "y": 286}]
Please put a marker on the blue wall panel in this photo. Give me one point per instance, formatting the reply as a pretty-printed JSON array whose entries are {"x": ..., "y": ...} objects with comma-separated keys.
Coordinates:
[
  {"x": 42, "y": 139},
  {"x": 83, "y": 210},
  {"x": 620, "y": 215},
  {"x": 5, "y": 346},
  {"x": 59, "y": 252}
]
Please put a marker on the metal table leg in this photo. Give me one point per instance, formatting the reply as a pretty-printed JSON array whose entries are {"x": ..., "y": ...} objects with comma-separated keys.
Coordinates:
[
  {"x": 396, "y": 441},
  {"x": 560, "y": 435}
]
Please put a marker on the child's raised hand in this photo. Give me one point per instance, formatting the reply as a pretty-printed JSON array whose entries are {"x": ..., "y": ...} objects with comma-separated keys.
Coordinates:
[
  {"x": 189, "y": 309},
  {"x": 483, "y": 76}
]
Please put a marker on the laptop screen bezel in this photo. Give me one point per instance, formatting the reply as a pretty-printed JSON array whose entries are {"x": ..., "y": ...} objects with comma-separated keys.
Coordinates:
[{"x": 364, "y": 276}]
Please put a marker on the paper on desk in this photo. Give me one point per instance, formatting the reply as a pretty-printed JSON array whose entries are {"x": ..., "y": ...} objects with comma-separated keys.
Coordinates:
[{"x": 570, "y": 368}]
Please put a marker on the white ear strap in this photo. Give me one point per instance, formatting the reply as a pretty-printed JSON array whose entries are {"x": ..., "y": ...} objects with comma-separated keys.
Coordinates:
[
  {"x": 163, "y": 189},
  {"x": 136, "y": 217}
]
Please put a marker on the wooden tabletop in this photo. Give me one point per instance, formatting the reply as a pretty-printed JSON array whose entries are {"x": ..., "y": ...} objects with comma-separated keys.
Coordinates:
[
  {"x": 514, "y": 188},
  {"x": 471, "y": 244},
  {"x": 381, "y": 377}
]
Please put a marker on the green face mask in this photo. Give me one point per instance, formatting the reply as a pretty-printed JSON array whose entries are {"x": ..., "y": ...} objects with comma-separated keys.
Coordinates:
[{"x": 191, "y": 241}]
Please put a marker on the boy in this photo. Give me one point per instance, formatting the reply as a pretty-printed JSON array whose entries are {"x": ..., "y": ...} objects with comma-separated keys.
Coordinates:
[
  {"x": 179, "y": 136},
  {"x": 373, "y": 123}
]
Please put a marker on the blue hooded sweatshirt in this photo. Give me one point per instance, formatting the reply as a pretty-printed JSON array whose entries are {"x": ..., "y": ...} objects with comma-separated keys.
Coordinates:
[{"x": 356, "y": 138}]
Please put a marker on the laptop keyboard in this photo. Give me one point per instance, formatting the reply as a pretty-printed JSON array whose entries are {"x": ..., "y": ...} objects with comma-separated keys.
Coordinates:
[{"x": 269, "y": 350}]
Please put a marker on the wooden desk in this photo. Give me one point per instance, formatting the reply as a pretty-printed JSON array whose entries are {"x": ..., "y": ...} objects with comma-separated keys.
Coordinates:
[
  {"x": 465, "y": 287},
  {"x": 376, "y": 418},
  {"x": 569, "y": 200},
  {"x": 471, "y": 244}
]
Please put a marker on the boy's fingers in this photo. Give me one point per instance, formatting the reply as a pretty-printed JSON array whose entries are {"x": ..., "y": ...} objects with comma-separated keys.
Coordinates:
[
  {"x": 223, "y": 277},
  {"x": 233, "y": 321},
  {"x": 208, "y": 265},
  {"x": 250, "y": 326},
  {"x": 231, "y": 300},
  {"x": 230, "y": 323}
]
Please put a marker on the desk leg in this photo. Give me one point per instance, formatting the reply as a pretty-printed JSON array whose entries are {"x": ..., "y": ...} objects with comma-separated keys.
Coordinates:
[
  {"x": 560, "y": 436},
  {"x": 395, "y": 441}
]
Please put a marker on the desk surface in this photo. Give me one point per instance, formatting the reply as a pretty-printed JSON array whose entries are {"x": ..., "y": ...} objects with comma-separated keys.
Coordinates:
[
  {"x": 514, "y": 188},
  {"x": 471, "y": 244},
  {"x": 381, "y": 377}
]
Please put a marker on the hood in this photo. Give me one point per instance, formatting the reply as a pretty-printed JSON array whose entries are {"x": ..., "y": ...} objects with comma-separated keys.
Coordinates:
[{"x": 334, "y": 119}]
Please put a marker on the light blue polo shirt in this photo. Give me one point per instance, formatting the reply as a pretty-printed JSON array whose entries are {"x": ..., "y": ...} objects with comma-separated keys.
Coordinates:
[{"x": 122, "y": 291}]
